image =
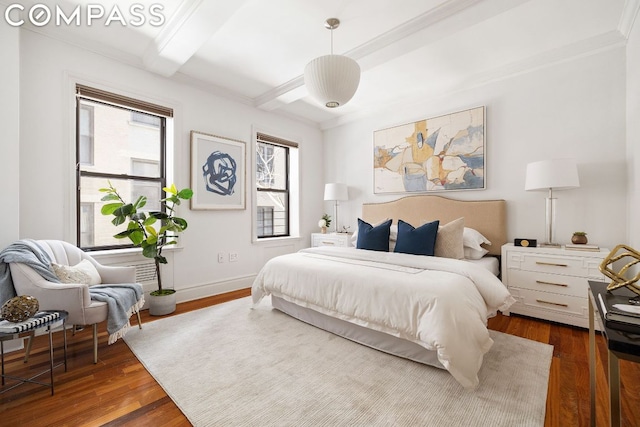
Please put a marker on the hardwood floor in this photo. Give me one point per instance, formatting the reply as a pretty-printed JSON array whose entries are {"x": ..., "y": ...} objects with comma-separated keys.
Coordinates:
[{"x": 118, "y": 391}]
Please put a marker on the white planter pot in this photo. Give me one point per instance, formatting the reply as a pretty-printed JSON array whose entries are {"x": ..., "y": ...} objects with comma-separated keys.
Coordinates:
[{"x": 162, "y": 304}]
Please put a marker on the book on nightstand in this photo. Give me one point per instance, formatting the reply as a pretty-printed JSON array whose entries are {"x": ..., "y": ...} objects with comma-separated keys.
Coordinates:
[
  {"x": 572, "y": 247},
  {"x": 618, "y": 313}
]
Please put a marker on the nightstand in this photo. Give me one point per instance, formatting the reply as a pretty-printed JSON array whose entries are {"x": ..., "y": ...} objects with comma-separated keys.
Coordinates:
[
  {"x": 551, "y": 283},
  {"x": 342, "y": 240}
]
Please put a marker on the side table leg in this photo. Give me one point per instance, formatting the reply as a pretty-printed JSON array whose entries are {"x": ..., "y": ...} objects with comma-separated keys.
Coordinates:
[
  {"x": 2, "y": 356},
  {"x": 64, "y": 331},
  {"x": 614, "y": 390},
  {"x": 592, "y": 364},
  {"x": 51, "y": 357}
]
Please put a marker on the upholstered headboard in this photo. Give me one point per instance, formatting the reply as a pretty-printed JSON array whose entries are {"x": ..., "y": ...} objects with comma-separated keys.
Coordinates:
[{"x": 486, "y": 216}]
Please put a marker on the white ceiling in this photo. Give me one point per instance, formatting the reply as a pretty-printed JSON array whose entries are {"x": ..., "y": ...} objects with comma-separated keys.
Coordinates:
[{"x": 254, "y": 51}]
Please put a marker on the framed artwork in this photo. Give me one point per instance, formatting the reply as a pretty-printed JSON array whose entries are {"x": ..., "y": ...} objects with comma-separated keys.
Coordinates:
[
  {"x": 217, "y": 172},
  {"x": 442, "y": 153}
]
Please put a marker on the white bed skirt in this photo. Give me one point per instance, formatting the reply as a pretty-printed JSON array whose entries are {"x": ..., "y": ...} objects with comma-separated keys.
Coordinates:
[{"x": 361, "y": 335}]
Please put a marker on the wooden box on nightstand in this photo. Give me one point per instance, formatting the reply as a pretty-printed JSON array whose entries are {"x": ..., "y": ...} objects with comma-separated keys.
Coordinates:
[
  {"x": 342, "y": 240},
  {"x": 551, "y": 283}
]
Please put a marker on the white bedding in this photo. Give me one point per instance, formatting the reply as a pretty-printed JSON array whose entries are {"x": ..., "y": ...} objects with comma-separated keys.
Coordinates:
[{"x": 439, "y": 303}]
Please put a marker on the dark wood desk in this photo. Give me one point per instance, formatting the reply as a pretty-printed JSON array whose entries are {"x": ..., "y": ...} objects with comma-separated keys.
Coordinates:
[{"x": 620, "y": 345}]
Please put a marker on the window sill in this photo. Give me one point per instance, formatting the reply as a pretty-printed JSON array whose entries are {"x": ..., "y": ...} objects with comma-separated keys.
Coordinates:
[
  {"x": 128, "y": 251},
  {"x": 276, "y": 240}
]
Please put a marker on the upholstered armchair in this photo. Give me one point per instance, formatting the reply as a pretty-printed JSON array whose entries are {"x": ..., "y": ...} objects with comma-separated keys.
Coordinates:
[{"x": 71, "y": 297}]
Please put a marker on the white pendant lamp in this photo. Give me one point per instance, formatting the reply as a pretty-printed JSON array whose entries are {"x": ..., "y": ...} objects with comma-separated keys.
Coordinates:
[{"x": 332, "y": 79}]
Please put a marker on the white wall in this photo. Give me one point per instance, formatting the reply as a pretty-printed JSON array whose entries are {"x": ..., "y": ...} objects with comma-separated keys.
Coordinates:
[
  {"x": 10, "y": 140},
  {"x": 572, "y": 109},
  {"x": 48, "y": 70},
  {"x": 633, "y": 132}
]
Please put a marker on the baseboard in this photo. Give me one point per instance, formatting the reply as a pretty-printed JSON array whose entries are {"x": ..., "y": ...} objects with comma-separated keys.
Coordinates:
[{"x": 195, "y": 292}]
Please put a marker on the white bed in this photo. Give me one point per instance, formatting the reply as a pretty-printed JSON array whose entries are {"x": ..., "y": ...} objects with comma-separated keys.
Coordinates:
[{"x": 428, "y": 309}]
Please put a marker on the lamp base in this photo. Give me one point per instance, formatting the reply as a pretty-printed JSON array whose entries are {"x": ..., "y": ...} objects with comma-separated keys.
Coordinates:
[{"x": 550, "y": 245}]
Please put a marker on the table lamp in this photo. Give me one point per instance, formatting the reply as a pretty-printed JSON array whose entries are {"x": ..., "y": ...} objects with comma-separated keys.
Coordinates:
[
  {"x": 335, "y": 192},
  {"x": 556, "y": 174}
]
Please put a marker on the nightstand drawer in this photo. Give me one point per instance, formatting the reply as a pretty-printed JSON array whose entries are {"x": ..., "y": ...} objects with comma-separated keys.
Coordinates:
[
  {"x": 547, "y": 282},
  {"x": 529, "y": 300},
  {"x": 339, "y": 240},
  {"x": 554, "y": 264}
]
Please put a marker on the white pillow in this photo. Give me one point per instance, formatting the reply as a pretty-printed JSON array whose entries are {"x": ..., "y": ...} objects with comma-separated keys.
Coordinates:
[
  {"x": 84, "y": 272},
  {"x": 471, "y": 253},
  {"x": 473, "y": 239}
]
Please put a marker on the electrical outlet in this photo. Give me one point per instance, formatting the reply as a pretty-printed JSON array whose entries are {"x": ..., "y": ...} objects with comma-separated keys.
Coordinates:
[
  {"x": 233, "y": 257},
  {"x": 221, "y": 256}
]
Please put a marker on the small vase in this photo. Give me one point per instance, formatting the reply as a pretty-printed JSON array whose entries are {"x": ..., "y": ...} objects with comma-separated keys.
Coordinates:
[
  {"x": 579, "y": 239},
  {"x": 323, "y": 230}
]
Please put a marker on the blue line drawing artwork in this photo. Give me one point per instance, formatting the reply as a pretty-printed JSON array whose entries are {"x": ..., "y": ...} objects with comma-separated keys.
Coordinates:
[{"x": 219, "y": 172}]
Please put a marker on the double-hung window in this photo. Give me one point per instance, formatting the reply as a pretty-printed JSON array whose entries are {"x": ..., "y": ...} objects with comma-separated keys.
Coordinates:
[
  {"x": 273, "y": 185},
  {"x": 122, "y": 140}
]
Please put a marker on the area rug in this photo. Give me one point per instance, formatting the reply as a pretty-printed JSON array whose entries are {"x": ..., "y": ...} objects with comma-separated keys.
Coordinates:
[{"x": 233, "y": 365}]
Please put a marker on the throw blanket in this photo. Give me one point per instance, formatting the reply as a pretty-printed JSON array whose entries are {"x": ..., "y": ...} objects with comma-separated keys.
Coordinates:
[
  {"x": 27, "y": 252},
  {"x": 123, "y": 300}
]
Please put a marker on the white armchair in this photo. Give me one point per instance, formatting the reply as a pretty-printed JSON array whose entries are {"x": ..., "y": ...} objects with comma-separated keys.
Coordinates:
[{"x": 71, "y": 297}]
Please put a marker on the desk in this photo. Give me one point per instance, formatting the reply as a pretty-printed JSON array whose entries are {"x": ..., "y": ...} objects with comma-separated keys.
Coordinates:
[
  {"x": 30, "y": 332},
  {"x": 619, "y": 346}
]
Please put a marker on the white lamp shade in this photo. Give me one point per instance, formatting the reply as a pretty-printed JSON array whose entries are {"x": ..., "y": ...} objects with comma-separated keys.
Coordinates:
[
  {"x": 557, "y": 174},
  {"x": 335, "y": 191},
  {"x": 332, "y": 79}
]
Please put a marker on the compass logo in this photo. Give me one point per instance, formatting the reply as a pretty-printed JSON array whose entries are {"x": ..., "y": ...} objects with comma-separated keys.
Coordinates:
[{"x": 40, "y": 15}]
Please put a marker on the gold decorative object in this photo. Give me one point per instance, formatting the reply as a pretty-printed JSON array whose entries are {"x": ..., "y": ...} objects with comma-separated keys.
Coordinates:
[
  {"x": 618, "y": 278},
  {"x": 20, "y": 308}
]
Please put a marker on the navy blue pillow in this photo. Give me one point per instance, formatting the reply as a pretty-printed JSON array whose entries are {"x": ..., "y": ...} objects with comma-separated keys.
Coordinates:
[
  {"x": 417, "y": 241},
  {"x": 373, "y": 238}
]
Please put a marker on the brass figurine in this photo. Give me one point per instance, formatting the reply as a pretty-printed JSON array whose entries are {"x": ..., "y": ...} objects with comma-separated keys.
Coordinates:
[{"x": 618, "y": 278}]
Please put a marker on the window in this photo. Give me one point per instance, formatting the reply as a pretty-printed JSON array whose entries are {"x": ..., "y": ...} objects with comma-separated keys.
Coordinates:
[
  {"x": 111, "y": 145},
  {"x": 273, "y": 186}
]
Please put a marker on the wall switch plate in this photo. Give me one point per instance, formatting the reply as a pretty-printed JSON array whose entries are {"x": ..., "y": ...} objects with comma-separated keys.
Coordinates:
[{"x": 221, "y": 257}]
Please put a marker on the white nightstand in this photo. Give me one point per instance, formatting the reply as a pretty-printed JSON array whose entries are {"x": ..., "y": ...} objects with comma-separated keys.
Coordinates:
[
  {"x": 551, "y": 283},
  {"x": 331, "y": 239}
]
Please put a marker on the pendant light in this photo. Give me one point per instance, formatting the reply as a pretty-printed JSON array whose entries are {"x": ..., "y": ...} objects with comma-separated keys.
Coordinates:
[{"x": 332, "y": 79}]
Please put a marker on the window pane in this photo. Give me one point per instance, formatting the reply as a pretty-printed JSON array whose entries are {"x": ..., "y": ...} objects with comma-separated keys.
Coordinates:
[
  {"x": 272, "y": 214},
  {"x": 86, "y": 135},
  {"x": 271, "y": 166},
  {"x": 103, "y": 229},
  {"x": 145, "y": 119},
  {"x": 117, "y": 140},
  {"x": 87, "y": 214},
  {"x": 142, "y": 167}
]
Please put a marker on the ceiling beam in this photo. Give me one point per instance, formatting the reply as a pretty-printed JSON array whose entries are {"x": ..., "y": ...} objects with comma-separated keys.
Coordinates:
[{"x": 189, "y": 28}]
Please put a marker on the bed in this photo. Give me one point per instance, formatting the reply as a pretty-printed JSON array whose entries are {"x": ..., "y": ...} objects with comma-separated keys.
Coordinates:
[{"x": 428, "y": 309}]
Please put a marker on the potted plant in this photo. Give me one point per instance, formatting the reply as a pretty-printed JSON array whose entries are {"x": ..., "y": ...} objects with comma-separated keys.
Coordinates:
[
  {"x": 324, "y": 222},
  {"x": 579, "y": 238},
  {"x": 152, "y": 231}
]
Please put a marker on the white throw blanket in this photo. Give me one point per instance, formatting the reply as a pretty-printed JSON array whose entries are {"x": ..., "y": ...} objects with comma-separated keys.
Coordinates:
[{"x": 439, "y": 303}]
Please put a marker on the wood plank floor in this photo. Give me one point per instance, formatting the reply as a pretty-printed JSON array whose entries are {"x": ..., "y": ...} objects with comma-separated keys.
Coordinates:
[{"x": 118, "y": 391}]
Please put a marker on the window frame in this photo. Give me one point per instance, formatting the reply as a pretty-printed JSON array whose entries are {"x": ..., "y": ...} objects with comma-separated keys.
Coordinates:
[
  {"x": 115, "y": 101},
  {"x": 268, "y": 139}
]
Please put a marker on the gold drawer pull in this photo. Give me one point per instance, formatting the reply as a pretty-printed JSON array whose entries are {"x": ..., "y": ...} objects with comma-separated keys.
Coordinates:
[
  {"x": 551, "y": 263},
  {"x": 551, "y": 283},
  {"x": 552, "y": 303},
  {"x": 328, "y": 243}
]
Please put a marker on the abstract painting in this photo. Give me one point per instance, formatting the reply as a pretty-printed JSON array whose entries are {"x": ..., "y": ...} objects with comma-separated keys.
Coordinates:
[
  {"x": 217, "y": 172},
  {"x": 438, "y": 154}
]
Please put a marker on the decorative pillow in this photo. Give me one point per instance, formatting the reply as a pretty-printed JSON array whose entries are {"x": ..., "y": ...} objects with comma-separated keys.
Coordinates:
[
  {"x": 373, "y": 238},
  {"x": 416, "y": 241},
  {"x": 84, "y": 272},
  {"x": 449, "y": 241},
  {"x": 393, "y": 234},
  {"x": 470, "y": 253}
]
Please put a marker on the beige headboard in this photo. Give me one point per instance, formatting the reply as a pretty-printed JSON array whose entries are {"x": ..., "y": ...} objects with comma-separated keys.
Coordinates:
[{"x": 486, "y": 216}]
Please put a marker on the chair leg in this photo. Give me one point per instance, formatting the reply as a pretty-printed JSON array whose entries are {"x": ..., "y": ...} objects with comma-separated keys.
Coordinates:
[
  {"x": 95, "y": 343},
  {"x": 139, "y": 321},
  {"x": 29, "y": 344}
]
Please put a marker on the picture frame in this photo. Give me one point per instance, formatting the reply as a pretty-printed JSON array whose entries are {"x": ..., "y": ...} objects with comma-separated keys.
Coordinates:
[
  {"x": 218, "y": 172},
  {"x": 443, "y": 153}
]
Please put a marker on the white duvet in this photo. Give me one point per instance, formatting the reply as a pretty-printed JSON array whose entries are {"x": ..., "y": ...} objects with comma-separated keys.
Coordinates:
[{"x": 439, "y": 303}]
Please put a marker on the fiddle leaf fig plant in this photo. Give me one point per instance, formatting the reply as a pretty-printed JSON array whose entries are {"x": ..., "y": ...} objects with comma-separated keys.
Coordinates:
[{"x": 152, "y": 230}]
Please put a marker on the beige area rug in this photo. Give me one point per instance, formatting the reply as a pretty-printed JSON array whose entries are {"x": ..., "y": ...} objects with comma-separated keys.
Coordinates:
[{"x": 230, "y": 365}]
